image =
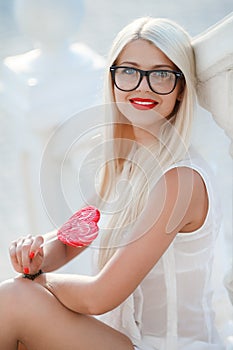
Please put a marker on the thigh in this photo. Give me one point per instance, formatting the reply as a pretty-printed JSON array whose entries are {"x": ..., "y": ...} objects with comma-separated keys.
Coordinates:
[{"x": 44, "y": 323}]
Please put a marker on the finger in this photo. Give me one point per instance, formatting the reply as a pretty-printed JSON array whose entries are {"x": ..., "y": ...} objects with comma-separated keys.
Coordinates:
[
  {"x": 25, "y": 249},
  {"x": 36, "y": 264},
  {"x": 36, "y": 254},
  {"x": 18, "y": 251},
  {"x": 36, "y": 247},
  {"x": 13, "y": 256}
]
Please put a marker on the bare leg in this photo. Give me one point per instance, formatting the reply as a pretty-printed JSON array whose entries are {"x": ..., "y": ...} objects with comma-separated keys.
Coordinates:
[
  {"x": 21, "y": 347},
  {"x": 31, "y": 315}
]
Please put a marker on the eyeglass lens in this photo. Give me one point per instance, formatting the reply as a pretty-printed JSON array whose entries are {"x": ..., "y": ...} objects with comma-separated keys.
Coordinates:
[{"x": 160, "y": 81}]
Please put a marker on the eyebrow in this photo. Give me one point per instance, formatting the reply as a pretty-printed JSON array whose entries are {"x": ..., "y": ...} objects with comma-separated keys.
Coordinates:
[{"x": 154, "y": 67}]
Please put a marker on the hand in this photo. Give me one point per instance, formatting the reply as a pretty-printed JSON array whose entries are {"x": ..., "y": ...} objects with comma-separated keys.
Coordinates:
[{"x": 26, "y": 254}]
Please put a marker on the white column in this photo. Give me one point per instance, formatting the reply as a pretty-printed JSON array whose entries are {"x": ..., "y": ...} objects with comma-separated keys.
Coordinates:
[{"x": 214, "y": 65}]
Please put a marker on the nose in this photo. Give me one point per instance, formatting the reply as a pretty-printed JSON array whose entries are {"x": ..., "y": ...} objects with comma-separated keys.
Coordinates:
[{"x": 144, "y": 84}]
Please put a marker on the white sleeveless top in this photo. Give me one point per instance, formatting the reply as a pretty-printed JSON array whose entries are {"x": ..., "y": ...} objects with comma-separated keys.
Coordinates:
[{"x": 171, "y": 309}]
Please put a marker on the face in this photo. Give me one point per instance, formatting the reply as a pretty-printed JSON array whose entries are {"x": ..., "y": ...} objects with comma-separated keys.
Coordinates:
[{"x": 142, "y": 106}]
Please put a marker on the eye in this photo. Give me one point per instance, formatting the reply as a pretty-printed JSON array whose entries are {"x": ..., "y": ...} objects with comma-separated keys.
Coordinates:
[
  {"x": 128, "y": 71},
  {"x": 163, "y": 74}
]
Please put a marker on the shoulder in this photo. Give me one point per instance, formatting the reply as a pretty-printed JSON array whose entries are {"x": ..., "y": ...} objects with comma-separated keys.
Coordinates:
[
  {"x": 187, "y": 191},
  {"x": 181, "y": 180},
  {"x": 184, "y": 176}
]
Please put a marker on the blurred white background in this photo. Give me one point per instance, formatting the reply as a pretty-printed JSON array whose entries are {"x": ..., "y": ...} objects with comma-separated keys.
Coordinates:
[{"x": 103, "y": 19}]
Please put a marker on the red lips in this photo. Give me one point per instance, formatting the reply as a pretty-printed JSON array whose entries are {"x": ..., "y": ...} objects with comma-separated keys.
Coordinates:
[{"x": 143, "y": 103}]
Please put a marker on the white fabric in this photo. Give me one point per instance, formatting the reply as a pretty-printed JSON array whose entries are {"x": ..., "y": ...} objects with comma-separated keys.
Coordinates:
[{"x": 171, "y": 309}]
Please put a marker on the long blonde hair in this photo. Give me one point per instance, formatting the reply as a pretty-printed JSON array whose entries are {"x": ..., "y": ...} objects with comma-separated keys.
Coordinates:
[{"x": 145, "y": 167}]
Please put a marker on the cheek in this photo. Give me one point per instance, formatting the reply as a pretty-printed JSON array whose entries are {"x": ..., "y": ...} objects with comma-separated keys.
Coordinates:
[
  {"x": 120, "y": 100},
  {"x": 172, "y": 103},
  {"x": 120, "y": 96},
  {"x": 169, "y": 103}
]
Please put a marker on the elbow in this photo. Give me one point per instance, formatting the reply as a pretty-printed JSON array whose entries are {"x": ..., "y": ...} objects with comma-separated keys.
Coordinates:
[
  {"x": 95, "y": 308},
  {"x": 99, "y": 301}
]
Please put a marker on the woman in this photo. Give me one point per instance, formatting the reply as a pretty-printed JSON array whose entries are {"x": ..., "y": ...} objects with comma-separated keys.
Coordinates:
[{"x": 152, "y": 287}]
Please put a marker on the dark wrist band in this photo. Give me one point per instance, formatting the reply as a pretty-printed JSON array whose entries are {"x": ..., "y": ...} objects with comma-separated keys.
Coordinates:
[{"x": 32, "y": 277}]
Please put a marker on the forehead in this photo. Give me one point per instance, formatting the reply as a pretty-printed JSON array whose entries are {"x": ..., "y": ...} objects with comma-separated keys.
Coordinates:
[{"x": 144, "y": 53}]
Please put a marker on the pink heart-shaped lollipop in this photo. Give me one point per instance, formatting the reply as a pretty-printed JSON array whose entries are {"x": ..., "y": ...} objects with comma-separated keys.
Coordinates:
[{"x": 81, "y": 229}]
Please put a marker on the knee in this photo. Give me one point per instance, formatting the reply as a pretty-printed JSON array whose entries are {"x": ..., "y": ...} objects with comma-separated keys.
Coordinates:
[
  {"x": 6, "y": 298},
  {"x": 13, "y": 293},
  {"x": 18, "y": 300},
  {"x": 5, "y": 290},
  {"x": 9, "y": 287},
  {"x": 12, "y": 310}
]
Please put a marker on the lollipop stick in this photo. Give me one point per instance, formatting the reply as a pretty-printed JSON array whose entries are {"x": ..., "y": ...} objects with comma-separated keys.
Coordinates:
[{"x": 52, "y": 239}]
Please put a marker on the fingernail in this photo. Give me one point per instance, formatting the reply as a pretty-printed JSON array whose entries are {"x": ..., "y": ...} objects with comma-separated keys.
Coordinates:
[
  {"x": 26, "y": 270},
  {"x": 31, "y": 255}
]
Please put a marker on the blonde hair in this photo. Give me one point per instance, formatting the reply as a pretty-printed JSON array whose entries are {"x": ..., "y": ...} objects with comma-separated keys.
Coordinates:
[{"x": 146, "y": 167}]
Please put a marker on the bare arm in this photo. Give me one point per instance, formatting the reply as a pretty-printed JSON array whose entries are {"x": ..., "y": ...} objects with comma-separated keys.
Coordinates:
[
  {"x": 57, "y": 254},
  {"x": 49, "y": 258},
  {"x": 182, "y": 204}
]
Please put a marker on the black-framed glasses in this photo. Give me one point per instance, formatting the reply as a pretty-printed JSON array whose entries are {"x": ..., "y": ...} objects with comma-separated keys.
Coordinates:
[{"x": 160, "y": 81}]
